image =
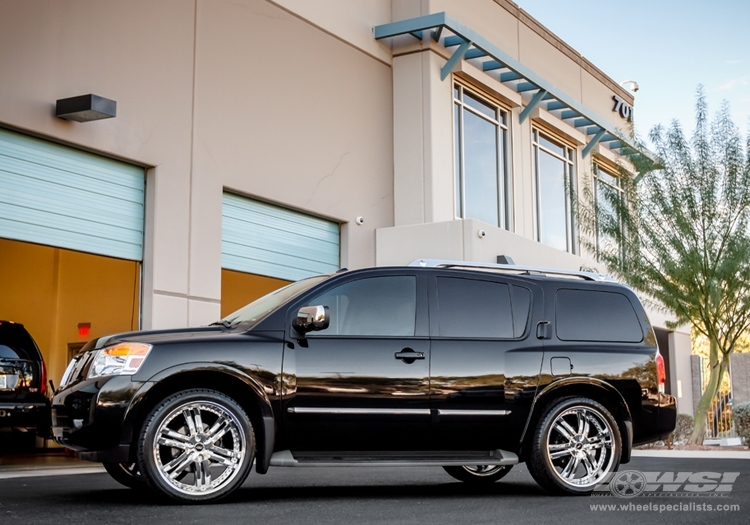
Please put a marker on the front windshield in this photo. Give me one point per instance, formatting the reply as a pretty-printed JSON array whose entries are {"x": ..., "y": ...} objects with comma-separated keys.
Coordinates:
[{"x": 259, "y": 308}]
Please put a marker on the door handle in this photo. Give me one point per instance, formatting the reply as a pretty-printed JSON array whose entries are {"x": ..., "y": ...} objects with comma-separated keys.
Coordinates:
[
  {"x": 408, "y": 356},
  {"x": 543, "y": 330}
]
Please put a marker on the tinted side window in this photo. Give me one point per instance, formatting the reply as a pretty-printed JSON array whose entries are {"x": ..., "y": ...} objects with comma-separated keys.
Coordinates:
[
  {"x": 589, "y": 315},
  {"x": 384, "y": 306},
  {"x": 472, "y": 308}
]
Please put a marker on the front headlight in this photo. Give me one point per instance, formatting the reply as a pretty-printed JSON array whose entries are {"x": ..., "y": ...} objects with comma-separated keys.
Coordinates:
[{"x": 123, "y": 359}]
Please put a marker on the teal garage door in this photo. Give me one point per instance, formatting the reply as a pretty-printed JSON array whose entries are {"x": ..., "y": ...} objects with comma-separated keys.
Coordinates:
[
  {"x": 59, "y": 196},
  {"x": 268, "y": 240}
]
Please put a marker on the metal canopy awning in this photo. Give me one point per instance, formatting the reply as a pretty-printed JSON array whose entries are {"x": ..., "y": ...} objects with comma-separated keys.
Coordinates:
[{"x": 489, "y": 58}]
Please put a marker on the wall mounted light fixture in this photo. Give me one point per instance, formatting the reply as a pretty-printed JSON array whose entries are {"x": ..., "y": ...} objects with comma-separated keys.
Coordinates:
[{"x": 85, "y": 108}]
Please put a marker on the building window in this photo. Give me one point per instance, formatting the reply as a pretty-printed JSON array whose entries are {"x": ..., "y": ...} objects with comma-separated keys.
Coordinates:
[
  {"x": 554, "y": 176},
  {"x": 482, "y": 174},
  {"x": 608, "y": 193}
]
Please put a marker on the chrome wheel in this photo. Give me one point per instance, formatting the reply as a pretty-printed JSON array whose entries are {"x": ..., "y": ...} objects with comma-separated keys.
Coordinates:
[
  {"x": 478, "y": 473},
  {"x": 483, "y": 470},
  {"x": 575, "y": 447},
  {"x": 197, "y": 446},
  {"x": 579, "y": 446}
]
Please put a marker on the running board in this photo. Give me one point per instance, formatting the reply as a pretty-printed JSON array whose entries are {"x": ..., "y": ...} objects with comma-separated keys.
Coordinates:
[{"x": 286, "y": 458}]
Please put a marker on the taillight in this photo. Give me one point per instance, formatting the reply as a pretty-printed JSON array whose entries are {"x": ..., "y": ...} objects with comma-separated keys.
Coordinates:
[
  {"x": 43, "y": 386},
  {"x": 661, "y": 372}
]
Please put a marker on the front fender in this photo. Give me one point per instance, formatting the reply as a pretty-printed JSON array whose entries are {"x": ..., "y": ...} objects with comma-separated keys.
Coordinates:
[{"x": 255, "y": 397}]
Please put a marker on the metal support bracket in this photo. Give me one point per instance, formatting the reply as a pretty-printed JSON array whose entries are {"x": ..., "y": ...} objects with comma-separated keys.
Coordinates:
[
  {"x": 458, "y": 54},
  {"x": 536, "y": 99},
  {"x": 593, "y": 142}
]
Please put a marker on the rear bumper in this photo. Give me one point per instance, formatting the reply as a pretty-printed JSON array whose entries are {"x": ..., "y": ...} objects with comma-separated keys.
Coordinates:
[
  {"x": 26, "y": 417},
  {"x": 656, "y": 419},
  {"x": 667, "y": 415}
]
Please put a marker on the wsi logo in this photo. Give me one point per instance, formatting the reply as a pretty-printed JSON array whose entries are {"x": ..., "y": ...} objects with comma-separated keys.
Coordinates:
[{"x": 632, "y": 483}]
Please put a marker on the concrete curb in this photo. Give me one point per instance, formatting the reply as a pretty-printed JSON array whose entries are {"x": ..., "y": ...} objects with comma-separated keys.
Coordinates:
[
  {"x": 44, "y": 472},
  {"x": 692, "y": 454}
]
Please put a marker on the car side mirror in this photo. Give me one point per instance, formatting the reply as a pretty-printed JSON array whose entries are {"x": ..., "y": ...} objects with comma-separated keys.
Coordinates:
[{"x": 312, "y": 318}]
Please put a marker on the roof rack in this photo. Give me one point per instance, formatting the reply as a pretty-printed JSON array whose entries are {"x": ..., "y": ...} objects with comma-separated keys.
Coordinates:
[{"x": 513, "y": 268}]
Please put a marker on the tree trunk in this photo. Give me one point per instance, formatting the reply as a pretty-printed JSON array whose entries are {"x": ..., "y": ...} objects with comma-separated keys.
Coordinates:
[{"x": 719, "y": 364}]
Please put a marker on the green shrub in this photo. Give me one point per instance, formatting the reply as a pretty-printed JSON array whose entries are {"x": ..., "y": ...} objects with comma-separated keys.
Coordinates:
[{"x": 741, "y": 415}]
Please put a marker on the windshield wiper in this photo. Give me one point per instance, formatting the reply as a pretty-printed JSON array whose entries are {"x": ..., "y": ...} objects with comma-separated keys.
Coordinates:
[{"x": 224, "y": 323}]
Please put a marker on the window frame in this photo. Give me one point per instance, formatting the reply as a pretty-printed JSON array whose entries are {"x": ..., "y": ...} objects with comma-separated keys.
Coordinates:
[
  {"x": 503, "y": 152},
  {"x": 596, "y": 169},
  {"x": 569, "y": 158}
]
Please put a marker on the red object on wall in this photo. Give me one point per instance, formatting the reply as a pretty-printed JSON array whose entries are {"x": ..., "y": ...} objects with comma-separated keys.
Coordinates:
[{"x": 84, "y": 329}]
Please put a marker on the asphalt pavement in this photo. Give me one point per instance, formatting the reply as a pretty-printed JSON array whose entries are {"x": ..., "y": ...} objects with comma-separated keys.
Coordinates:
[{"x": 378, "y": 495}]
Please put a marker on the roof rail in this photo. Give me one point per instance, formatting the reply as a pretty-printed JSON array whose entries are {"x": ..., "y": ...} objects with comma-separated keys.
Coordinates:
[{"x": 529, "y": 270}]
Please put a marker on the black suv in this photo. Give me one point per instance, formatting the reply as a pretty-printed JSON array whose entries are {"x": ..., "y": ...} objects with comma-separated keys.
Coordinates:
[
  {"x": 24, "y": 405},
  {"x": 467, "y": 366}
]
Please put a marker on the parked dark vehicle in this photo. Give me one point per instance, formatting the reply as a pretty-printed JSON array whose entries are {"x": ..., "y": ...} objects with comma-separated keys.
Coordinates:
[
  {"x": 468, "y": 366},
  {"x": 24, "y": 405}
]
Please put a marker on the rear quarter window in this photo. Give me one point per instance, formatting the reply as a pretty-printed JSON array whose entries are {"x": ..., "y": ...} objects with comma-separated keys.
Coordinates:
[{"x": 594, "y": 315}]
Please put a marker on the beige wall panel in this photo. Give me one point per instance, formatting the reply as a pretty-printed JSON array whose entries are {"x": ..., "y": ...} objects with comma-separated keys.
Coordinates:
[
  {"x": 118, "y": 49},
  {"x": 680, "y": 351},
  {"x": 403, "y": 244},
  {"x": 523, "y": 251},
  {"x": 408, "y": 139},
  {"x": 202, "y": 313},
  {"x": 288, "y": 114},
  {"x": 523, "y": 177},
  {"x": 404, "y": 9},
  {"x": 350, "y": 21},
  {"x": 460, "y": 240},
  {"x": 169, "y": 220},
  {"x": 423, "y": 140},
  {"x": 205, "y": 236},
  {"x": 546, "y": 61},
  {"x": 484, "y": 17},
  {"x": 439, "y": 166},
  {"x": 115, "y": 49},
  {"x": 169, "y": 311}
]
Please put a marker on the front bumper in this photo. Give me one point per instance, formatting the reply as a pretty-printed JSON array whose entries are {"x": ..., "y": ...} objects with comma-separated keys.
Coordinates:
[{"x": 94, "y": 416}]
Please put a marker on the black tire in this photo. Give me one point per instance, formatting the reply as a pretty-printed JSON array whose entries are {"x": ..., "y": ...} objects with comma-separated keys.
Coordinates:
[
  {"x": 575, "y": 447},
  {"x": 126, "y": 474},
  {"x": 479, "y": 474},
  {"x": 196, "y": 446}
]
